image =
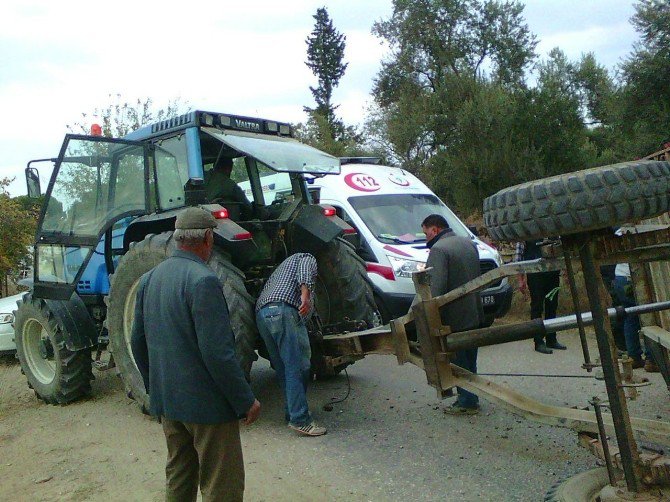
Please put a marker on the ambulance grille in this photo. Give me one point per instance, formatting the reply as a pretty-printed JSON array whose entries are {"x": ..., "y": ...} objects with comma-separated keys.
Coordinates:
[{"x": 487, "y": 266}]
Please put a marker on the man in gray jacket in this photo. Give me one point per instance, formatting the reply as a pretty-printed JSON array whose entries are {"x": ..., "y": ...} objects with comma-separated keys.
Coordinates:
[
  {"x": 454, "y": 261},
  {"x": 185, "y": 350}
]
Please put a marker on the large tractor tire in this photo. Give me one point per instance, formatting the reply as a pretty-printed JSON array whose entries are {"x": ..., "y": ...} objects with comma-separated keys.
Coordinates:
[
  {"x": 343, "y": 289},
  {"x": 56, "y": 374},
  {"x": 343, "y": 292},
  {"x": 141, "y": 258},
  {"x": 579, "y": 202}
]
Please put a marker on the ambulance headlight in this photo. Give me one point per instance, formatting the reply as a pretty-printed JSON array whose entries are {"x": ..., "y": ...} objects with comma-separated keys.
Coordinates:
[{"x": 405, "y": 268}]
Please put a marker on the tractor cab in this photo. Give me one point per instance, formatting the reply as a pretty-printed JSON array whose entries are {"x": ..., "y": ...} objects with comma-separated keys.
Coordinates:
[{"x": 106, "y": 193}]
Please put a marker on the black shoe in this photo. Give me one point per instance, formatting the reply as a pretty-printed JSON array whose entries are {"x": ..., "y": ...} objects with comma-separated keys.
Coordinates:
[
  {"x": 556, "y": 345},
  {"x": 543, "y": 349}
]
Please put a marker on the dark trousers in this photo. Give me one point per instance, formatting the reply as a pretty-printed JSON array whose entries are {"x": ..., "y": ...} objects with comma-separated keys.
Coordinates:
[
  {"x": 539, "y": 286},
  {"x": 206, "y": 454},
  {"x": 631, "y": 323},
  {"x": 466, "y": 359}
]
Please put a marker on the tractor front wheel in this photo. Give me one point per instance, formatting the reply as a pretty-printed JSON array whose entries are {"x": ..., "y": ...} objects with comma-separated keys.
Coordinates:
[{"x": 56, "y": 374}]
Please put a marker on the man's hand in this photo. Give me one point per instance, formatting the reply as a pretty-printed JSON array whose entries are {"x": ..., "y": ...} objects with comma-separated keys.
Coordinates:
[
  {"x": 305, "y": 301},
  {"x": 253, "y": 413}
]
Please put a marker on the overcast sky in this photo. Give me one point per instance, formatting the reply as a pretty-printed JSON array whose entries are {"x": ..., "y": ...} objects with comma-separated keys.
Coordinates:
[{"x": 59, "y": 59}]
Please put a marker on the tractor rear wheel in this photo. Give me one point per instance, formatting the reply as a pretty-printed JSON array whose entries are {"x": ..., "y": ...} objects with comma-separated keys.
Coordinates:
[
  {"x": 56, "y": 374},
  {"x": 141, "y": 258},
  {"x": 343, "y": 287},
  {"x": 343, "y": 292}
]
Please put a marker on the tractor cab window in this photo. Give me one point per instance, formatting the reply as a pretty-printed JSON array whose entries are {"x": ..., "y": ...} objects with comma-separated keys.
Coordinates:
[
  {"x": 227, "y": 183},
  {"x": 96, "y": 182},
  {"x": 171, "y": 171},
  {"x": 277, "y": 187}
]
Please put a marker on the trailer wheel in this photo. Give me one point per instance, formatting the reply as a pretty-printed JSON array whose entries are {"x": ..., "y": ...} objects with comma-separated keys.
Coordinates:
[
  {"x": 578, "y": 202},
  {"x": 583, "y": 487},
  {"x": 56, "y": 374},
  {"x": 141, "y": 258}
]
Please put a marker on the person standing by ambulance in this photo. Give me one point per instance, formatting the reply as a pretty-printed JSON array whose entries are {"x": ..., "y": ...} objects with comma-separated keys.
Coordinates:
[{"x": 453, "y": 260}]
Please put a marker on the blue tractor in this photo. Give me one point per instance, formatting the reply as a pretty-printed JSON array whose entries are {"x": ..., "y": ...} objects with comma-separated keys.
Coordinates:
[{"x": 109, "y": 217}]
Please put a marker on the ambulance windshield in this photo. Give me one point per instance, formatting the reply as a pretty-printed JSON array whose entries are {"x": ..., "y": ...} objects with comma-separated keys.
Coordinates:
[{"x": 397, "y": 218}]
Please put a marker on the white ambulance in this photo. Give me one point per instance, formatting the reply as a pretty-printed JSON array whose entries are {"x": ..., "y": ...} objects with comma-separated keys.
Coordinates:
[{"x": 386, "y": 205}]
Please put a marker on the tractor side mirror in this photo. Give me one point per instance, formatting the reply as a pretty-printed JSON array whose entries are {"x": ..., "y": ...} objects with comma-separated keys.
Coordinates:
[{"x": 33, "y": 182}]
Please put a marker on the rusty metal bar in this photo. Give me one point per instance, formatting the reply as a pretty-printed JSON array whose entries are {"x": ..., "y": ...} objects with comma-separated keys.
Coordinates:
[
  {"x": 429, "y": 328},
  {"x": 493, "y": 335},
  {"x": 568, "y": 254},
  {"x": 608, "y": 359},
  {"x": 658, "y": 335},
  {"x": 653, "y": 431},
  {"x": 596, "y": 403},
  {"x": 525, "y": 330}
]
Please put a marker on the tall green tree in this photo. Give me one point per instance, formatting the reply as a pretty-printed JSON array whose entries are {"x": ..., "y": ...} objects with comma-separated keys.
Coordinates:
[
  {"x": 325, "y": 57},
  {"x": 445, "y": 96},
  {"x": 317, "y": 132},
  {"x": 18, "y": 220},
  {"x": 645, "y": 117},
  {"x": 441, "y": 52}
]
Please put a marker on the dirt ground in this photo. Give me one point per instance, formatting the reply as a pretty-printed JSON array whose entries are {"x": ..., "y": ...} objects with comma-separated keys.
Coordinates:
[{"x": 390, "y": 440}]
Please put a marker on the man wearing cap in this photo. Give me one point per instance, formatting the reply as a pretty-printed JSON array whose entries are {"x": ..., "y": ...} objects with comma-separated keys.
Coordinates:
[
  {"x": 453, "y": 261},
  {"x": 185, "y": 350}
]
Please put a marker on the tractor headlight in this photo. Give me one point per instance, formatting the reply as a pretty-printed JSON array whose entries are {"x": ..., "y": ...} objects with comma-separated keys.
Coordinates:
[
  {"x": 6, "y": 318},
  {"x": 405, "y": 268}
]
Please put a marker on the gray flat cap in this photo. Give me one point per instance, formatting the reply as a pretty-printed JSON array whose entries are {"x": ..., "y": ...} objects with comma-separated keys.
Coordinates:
[{"x": 194, "y": 218}]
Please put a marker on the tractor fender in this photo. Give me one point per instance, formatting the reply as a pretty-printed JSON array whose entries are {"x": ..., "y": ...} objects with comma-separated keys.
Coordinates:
[
  {"x": 78, "y": 328},
  {"x": 311, "y": 230},
  {"x": 227, "y": 232}
]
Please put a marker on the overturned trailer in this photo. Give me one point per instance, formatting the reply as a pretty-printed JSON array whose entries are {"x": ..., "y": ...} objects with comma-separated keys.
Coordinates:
[{"x": 577, "y": 210}]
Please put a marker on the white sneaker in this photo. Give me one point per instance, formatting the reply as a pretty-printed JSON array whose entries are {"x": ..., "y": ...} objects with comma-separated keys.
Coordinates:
[{"x": 309, "y": 430}]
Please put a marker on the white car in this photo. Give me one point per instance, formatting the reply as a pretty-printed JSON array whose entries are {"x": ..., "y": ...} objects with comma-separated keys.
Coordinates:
[{"x": 7, "y": 307}]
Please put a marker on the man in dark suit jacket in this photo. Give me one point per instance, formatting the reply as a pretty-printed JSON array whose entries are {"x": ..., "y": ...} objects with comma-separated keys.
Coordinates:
[
  {"x": 185, "y": 351},
  {"x": 454, "y": 261}
]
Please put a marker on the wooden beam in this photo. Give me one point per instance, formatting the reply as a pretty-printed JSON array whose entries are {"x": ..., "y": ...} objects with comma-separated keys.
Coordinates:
[
  {"x": 658, "y": 335},
  {"x": 580, "y": 420},
  {"x": 507, "y": 270}
]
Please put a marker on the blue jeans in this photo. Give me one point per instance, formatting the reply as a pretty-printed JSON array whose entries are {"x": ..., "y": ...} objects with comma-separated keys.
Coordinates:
[
  {"x": 466, "y": 359},
  {"x": 631, "y": 323},
  {"x": 287, "y": 341}
]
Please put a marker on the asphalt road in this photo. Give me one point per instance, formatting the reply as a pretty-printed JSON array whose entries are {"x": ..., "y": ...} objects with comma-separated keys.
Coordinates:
[{"x": 390, "y": 440}]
